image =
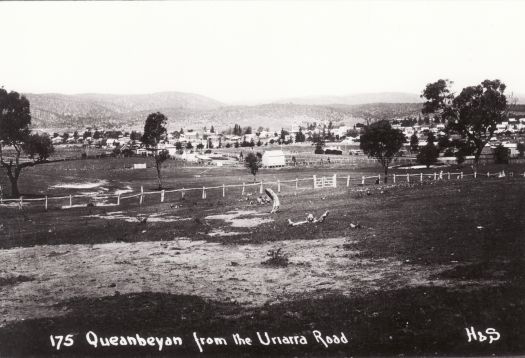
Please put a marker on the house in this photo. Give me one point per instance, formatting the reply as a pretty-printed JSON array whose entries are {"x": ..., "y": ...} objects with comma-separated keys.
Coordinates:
[
  {"x": 172, "y": 150},
  {"x": 111, "y": 142},
  {"x": 189, "y": 156},
  {"x": 264, "y": 134},
  {"x": 513, "y": 149},
  {"x": 487, "y": 153},
  {"x": 273, "y": 158}
]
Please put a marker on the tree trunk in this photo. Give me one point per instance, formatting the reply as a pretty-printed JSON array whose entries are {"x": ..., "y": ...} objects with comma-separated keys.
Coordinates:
[
  {"x": 14, "y": 183},
  {"x": 159, "y": 178},
  {"x": 477, "y": 155}
]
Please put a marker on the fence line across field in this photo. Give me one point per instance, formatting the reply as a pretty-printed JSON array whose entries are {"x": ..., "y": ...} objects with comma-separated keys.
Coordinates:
[{"x": 318, "y": 183}]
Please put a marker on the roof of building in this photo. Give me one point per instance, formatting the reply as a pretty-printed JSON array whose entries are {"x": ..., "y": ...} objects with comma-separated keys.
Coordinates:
[{"x": 273, "y": 153}]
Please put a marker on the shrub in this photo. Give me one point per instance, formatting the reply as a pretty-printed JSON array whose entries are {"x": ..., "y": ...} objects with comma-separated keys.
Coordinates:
[
  {"x": 276, "y": 258},
  {"x": 501, "y": 155},
  {"x": 428, "y": 154},
  {"x": 333, "y": 151},
  {"x": 449, "y": 152},
  {"x": 521, "y": 149}
]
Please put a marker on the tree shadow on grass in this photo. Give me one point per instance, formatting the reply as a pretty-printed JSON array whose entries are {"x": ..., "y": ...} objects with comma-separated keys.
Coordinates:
[
  {"x": 411, "y": 321},
  {"x": 513, "y": 270}
]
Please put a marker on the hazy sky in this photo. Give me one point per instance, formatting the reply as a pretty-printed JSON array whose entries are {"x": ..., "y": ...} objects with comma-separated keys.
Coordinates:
[{"x": 248, "y": 51}]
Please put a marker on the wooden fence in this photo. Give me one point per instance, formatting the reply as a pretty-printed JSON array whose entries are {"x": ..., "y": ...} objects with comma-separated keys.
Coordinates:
[{"x": 73, "y": 201}]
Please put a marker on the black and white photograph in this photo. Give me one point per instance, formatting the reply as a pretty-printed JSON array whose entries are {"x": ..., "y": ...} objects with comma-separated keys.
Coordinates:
[{"x": 262, "y": 178}]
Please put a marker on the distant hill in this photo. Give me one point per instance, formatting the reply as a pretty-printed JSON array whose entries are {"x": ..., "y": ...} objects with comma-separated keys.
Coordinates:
[
  {"x": 375, "y": 111},
  {"x": 59, "y": 112},
  {"x": 53, "y": 110},
  {"x": 273, "y": 116},
  {"x": 356, "y": 99}
]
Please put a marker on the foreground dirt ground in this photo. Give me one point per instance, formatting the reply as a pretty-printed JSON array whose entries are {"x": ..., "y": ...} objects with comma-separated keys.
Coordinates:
[{"x": 226, "y": 273}]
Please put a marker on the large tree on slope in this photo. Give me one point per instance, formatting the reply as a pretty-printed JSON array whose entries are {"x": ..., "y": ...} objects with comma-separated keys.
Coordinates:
[{"x": 15, "y": 119}]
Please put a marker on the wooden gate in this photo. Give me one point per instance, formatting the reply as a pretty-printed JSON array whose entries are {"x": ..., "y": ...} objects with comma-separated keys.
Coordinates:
[{"x": 325, "y": 182}]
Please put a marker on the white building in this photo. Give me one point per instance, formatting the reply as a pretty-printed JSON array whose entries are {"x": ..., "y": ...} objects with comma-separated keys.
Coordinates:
[{"x": 273, "y": 158}]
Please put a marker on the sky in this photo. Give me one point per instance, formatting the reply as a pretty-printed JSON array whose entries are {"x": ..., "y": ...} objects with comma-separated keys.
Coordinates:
[{"x": 254, "y": 51}]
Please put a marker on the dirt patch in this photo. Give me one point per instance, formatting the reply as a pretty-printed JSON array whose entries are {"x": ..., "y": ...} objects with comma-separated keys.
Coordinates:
[
  {"x": 220, "y": 232},
  {"x": 241, "y": 218},
  {"x": 228, "y": 273},
  {"x": 85, "y": 185},
  {"x": 153, "y": 218},
  {"x": 126, "y": 190}
]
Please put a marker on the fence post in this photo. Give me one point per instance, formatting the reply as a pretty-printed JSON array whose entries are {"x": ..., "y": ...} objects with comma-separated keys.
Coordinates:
[
  {"x": 408, "y": 178},
  {"x": 379, "y": 177},
  {"x": 421, "y": 177},
  {"x": 204, "y": 192},
  {"x": 335, "y": 180},
  {"x": 118, "y": 200},
  {"x": 315, "y": 181},
  {"x": 296, "y": 183},
  {"x": 162, "y": 196},
  {"x": 45, "y": 204},
  {"x": 435, "y": 176},
  {"x": 348, "y": 181},
  {"x": 21, "y": 203},
  {"x": 70, "y": 201},
  {"x": 223, "y": 190},
  {"x": 278, "y": 186},
  {"x": 243, "y": 188},
  {"x": 261, "y": 189},
  {"x": 488, "y": 174},
  {"x": 141, "y": 195},
  {"x": 182, "y": 193},
  {"x": 322, "y": 182},
  {"x": 363, "y": 180},
  {"x": 394, "y": 177},
  {"x": 475, "y": 175},
  {"x": 461, "y": 175}
]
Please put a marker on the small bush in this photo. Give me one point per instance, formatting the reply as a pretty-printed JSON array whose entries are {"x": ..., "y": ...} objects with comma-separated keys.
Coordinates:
[
  {"x": 333, "y": 151},
  {"x": 501, "y": 155},
  {"x": 276, "y": 258},
  {"x": 449, "y": 152}
]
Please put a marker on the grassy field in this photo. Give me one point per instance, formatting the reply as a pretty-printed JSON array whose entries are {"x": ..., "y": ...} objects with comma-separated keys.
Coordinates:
[{"x": 425, "y": 262}]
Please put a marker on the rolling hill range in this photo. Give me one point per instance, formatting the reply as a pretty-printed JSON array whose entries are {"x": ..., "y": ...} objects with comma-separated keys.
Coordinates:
[
  {"x": 356, "y": 99},
  {"x": 59, "y": 112}
]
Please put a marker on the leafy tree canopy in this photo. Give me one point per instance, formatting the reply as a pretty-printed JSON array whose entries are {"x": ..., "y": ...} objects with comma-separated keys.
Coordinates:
[
  {"x": 382, "y": 142},
  {"x": 154, "y": 129},
  {"x": 428, "y": 154},
  {"x": 473, "y": 114},
  {"x": 253, "y": 163},
  {"x": 15, "y": 118},
  {"x": 38, "y": 146}
]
